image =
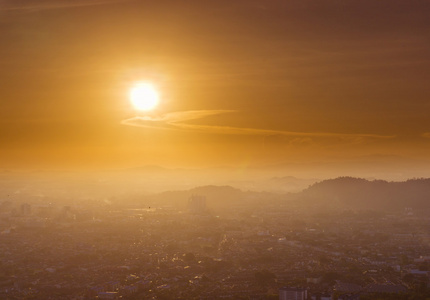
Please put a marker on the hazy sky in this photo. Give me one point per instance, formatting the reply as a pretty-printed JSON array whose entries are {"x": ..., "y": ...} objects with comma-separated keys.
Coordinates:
[{"x": 242, "y": 82}]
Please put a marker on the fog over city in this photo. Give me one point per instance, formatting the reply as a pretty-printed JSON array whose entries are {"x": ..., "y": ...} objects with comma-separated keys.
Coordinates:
[{"x": 229, "y": 149}]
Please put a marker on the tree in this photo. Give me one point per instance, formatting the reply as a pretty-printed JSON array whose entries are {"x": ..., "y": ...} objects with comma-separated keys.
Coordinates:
[
  {"x": 264, "y": 277},
  {"x": 189, "y": 257}
]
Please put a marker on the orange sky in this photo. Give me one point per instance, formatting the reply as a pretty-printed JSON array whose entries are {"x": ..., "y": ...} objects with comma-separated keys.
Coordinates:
[{"x": 270, "y": 82}]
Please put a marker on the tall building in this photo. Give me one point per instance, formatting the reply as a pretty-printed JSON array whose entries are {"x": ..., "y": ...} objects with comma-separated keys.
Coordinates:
[
  {"x": 197, "y": 203},
  {"x": 25, "y": 209},
  {"x": 291, "y": 293}
]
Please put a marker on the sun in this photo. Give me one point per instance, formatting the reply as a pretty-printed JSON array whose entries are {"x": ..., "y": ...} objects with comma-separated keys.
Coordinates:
[{"x": 144, "y": 96}]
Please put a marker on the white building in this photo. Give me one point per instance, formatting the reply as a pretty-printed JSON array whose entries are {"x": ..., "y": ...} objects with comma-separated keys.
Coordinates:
[{"x": 290, "y": 293}]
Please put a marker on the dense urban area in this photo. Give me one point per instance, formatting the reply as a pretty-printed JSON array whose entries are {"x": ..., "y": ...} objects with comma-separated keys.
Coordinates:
[{"x": 276, "y": 250}]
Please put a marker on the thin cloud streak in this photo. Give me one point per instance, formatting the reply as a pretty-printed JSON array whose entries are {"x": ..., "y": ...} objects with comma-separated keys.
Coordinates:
[
  {"x": 255, "y": 131},
  {"x": 180, "y": 116},
  {"x": 173, "y": 121}
]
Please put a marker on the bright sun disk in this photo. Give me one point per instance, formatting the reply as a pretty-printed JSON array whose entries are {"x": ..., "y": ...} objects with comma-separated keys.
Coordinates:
[{"x": 144, "y": 96}]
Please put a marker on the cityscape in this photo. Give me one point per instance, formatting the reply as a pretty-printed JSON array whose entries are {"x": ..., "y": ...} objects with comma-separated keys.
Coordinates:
[
  {"x": 215, "y": 149},
  {"x": 254, "y": 246}
]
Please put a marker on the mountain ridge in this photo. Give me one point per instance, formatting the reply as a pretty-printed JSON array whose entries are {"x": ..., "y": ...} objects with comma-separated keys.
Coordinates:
[
  {"x": 375, "y": 194},
  {"x": 338, "y": 193}
]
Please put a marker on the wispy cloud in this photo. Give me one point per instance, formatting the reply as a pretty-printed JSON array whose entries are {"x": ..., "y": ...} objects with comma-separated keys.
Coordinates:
[
  {"x": 426, "y": 135},
  {"x": 180, "y": 116},
  {"x": 46, "y": 5},
  {"x": 175, "y": 121}
]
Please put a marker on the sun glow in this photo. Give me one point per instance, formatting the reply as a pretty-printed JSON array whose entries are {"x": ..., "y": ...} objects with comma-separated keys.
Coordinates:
[{"x": 144, "y": 96}]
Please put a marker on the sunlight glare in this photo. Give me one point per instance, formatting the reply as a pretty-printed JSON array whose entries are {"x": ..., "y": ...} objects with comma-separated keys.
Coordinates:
[{"x": 144, "y": 96}]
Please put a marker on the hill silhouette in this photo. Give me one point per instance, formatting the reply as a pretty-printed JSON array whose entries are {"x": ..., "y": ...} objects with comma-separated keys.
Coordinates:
[
  {"x": 338, "y": 193},
  {"x": 358, "y": 193},
  {"x": 217, "y": 197}
]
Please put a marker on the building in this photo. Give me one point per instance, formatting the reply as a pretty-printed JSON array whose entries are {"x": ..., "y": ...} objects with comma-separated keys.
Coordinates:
[
  {"x": 320, "y": 296},
  {"x": 25, "y": 209},
  {"x": 197, "y": 204},
  {"x": 291, "y": 293}
]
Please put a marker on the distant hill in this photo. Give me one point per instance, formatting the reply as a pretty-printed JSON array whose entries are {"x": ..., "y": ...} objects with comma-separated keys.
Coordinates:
[
  {"x": 338, "y": 193},
  {"x": 357, "y": 193},
  {"x": 287, "y": 184},
  {"x": 217, "y": 197}
]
